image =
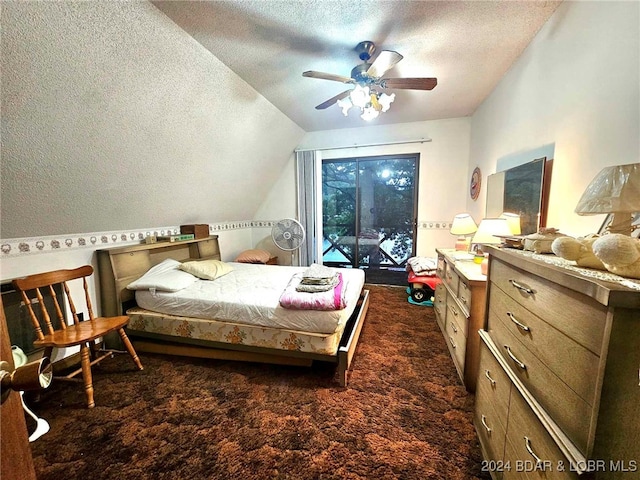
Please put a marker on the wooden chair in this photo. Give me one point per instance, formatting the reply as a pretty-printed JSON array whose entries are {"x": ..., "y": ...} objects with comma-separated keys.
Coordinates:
[{"x": 83, "y": 333}]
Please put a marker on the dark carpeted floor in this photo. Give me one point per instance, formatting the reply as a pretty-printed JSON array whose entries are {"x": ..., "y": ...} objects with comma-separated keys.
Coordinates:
[{"x": 404, "y": 415}]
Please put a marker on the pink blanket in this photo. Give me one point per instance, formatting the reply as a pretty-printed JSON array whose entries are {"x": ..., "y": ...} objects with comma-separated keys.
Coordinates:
[{"x": 330, "y": 300}]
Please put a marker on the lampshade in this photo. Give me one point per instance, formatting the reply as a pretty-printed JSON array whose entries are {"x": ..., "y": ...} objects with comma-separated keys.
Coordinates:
[
  {"x": 463, "y": 224},
  {"x": 513, "y": 221},
  {"x": 490, "y": 230},
  {"x": 614, "y": 190}
]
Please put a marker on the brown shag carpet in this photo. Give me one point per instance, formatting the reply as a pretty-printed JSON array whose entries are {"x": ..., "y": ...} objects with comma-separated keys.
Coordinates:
[{"x": 404, "y": 415}]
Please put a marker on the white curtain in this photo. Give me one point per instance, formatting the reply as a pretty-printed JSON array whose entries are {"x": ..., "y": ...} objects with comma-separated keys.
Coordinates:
[{"x": 307, "y": 205}]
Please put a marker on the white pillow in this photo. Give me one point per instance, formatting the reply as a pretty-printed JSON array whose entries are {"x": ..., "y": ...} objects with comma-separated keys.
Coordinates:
[
  {"x": 165, "y": 276},
  {"x": 206, "y": 269}
]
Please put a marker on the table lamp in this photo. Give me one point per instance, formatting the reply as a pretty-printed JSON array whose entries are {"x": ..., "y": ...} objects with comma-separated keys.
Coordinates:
[
  {"x": 463, "y": 226},
  {"x": 489, "y": 232},
  {"x": 616, "y": 191},
  {"x": 513, "y": 222}
]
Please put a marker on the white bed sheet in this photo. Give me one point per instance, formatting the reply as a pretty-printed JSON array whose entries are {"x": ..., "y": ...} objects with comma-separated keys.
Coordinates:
[{"x": 250, "y": 295}]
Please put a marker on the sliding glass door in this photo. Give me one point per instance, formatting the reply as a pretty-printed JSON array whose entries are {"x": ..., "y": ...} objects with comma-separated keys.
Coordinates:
[{"x": 369, "y": 209}]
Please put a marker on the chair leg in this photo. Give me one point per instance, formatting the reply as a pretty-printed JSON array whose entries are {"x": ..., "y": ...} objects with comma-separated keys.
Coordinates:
[
  {"x": 93, "y": 350},
  {"x": 130, "y": 349},
  {"x": 85, "y": 361}
]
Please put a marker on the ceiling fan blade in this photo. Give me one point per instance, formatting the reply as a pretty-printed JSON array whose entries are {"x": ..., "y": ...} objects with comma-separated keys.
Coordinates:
[
  {"x": 385, "y": 60},
  {"x": 410, "y": 83},
  {"x": 328, "y": 76},
  {"x": 333, "y": 100}
]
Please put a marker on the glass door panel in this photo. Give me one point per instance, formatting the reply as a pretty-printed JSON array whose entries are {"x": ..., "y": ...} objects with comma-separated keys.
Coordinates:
[
  {"x": 386, "y": 224},
  {"x": 369, "y": 211},
  {"x": 338, "y": 212}
]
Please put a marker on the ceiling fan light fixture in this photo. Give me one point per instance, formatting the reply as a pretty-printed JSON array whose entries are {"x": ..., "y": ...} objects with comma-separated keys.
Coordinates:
[
  {"x": 345, "y": 104},
  {"x": 386, "y": 100},
  {"x": 360, "y": 96},
  {"x": 369, "y": 102},
  {"x": 367, "y": 78},
  {"x": 369, "y": 113}
]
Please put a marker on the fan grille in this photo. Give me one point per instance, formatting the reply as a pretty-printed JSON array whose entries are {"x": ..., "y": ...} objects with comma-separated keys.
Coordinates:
[{"x": 287, "y": 234}]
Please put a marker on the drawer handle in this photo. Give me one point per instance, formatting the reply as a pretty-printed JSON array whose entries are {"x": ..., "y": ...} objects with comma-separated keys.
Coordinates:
[
  {"x": 453, "y": 344},
  {"x": 514, "y": 358},
  {"x": 520, "y": 325},
  {"x": 488, "y": 375},
  {"x": 521, "y": 287},
  {"x": 455, "y": 329},
  {"x": 464, "y": 285},
  {"x": 527, "y": 444},
  {"x": 484, "y": 424}
]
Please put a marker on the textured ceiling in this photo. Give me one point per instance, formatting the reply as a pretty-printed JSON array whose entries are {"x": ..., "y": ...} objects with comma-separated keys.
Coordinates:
[{"x": 467, "y": 45}]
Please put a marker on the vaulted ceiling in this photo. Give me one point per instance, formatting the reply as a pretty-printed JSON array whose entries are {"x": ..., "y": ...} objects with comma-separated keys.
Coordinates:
[{"x": 467, "y": 45}]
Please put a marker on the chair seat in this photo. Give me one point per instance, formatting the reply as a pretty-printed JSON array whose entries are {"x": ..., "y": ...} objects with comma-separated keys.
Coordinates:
[{"x": 83, "y": 332}]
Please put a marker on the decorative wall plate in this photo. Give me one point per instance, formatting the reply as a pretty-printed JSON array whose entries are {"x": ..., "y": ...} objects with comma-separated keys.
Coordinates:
[{"x": 476, "y": 183}]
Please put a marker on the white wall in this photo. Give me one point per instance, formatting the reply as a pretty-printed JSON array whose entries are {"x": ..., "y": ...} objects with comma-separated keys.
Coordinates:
[{"x": 575, "y": 86}]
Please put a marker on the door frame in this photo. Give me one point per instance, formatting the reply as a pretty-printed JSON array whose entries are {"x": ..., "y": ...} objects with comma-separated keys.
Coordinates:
[{"x": 15, "y": 457}]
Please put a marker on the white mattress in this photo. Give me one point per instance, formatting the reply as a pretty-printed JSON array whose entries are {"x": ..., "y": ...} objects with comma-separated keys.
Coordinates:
[{"x": 250, "y": 295}]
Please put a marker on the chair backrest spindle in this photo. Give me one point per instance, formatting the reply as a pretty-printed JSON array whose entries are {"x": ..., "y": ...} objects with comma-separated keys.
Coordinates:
[
  {"x": 72, "y": 306},
  {"x": 87, "y": 298},
  {"x": 56, "y": 305},
  {"x": 34, "y": 320}
]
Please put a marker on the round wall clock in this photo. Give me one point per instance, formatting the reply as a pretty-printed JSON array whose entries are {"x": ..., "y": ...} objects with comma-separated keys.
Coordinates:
[{"x": 476, "y": 183}]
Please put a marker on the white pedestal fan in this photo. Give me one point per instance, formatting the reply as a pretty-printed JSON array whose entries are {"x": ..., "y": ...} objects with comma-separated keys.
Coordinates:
[{"x": 288, "y": 235}]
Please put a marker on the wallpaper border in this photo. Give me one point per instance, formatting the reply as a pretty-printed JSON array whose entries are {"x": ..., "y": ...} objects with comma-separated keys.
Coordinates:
[{"x": 15, "y": 247}]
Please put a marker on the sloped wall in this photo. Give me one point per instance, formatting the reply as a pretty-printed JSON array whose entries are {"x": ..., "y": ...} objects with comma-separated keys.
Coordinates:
[{"x": 113, "y": 118}]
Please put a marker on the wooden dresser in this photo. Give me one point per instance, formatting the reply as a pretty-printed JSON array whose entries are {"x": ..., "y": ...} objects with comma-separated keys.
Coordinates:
[
  {"x": 459, "y": 305},
  {"x": 558, "y": 394}
]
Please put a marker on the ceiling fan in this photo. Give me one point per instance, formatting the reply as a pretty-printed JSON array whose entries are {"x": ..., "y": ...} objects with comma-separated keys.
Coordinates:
[{"x": 367, "y": 78}]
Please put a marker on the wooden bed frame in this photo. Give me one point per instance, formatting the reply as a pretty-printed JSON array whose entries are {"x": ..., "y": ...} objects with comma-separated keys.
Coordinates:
[{"x": 121, "y": 265}]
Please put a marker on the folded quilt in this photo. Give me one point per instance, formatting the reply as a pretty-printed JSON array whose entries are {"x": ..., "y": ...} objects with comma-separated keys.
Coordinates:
[
  {"x": 318, "y": 273},
  {"x": 329, "y": 284},
  {"x": 422, "y": 265},
  {"x": 332, "y": 299}
]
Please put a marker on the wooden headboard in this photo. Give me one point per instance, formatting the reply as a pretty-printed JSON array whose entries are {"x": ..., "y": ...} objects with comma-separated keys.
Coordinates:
[{"x": 120, "y": 266}]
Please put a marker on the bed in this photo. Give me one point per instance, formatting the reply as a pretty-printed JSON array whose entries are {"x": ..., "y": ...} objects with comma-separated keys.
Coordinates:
[{"x": 237, "y": 316}]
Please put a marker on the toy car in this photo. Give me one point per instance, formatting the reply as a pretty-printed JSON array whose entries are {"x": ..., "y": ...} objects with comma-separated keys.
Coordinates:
[{"x": 422, "y": 288}]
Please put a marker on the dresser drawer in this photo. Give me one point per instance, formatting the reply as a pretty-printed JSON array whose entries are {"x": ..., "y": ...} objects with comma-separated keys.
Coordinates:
[
  {"x": 529, "y": 443},
  {"x": 441, "y": 267},
  {"x": 576, "y": 315},
  {"x": 454, "y": 335},
  {"x": 491, "y": 410},
  {"x": 568, "y": 410},
  {"x": 464, "y": 294},
  {"x": 454, "y": 312},
  {"x": 493, "y": 387},
  {"x": 451, "y": 278},
  {"x": 440, "y": 304},
  {"x": 574, "y": 364}
]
